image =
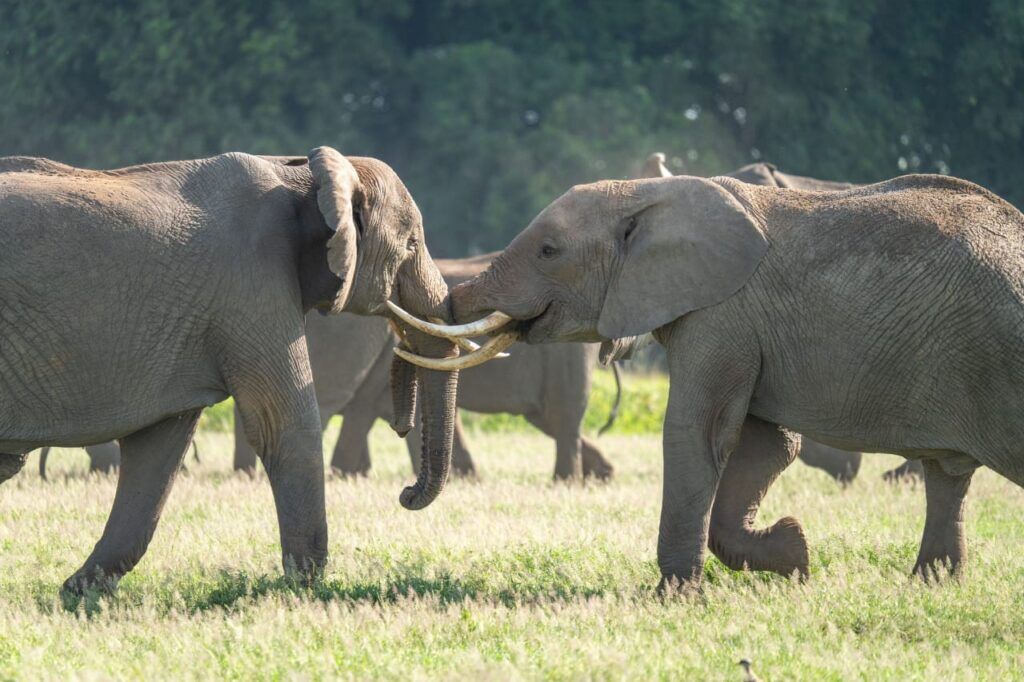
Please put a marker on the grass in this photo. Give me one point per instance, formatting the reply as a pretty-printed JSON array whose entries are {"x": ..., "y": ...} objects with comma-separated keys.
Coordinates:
[{"x": 508, "y": 577}]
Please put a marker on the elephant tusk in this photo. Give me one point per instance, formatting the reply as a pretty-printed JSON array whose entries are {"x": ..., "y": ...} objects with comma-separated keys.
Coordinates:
[
  {"x": 489, "y": 350},
  {"x": 488, "y": 324},
  {"x": 467, "y": 345}
]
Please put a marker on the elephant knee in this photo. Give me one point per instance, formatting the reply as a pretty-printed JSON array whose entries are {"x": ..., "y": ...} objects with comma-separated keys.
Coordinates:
[{"x": 11, "y": 465}]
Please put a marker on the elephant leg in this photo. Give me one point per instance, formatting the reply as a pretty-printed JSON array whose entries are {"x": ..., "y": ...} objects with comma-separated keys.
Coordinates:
[
  {"x": 763, "y": 452},
  {"x": 104, "y": 458},
  {"x": 151, "y": 458},
  {"x": 594, "y": 463},
  {"x": 245, "y": 455},
  {"x": 944, "y": 543},
  {"x": 10, "y": 465},
  {"x": 352, "y": 451},
  {"x": 910, "y": 471},
  {"x": 841, "y": 465},
  {"x": 568, "y": 444}
]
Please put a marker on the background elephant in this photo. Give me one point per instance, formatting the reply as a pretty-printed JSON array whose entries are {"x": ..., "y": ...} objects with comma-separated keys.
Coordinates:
[
  {"x": 549, "y": 385},
  {"x": 841, "y": 465},
  {"x": 104, "y": 458},
  {"x": 885, "y": 318},
  {"x": 217, "y": 262}
]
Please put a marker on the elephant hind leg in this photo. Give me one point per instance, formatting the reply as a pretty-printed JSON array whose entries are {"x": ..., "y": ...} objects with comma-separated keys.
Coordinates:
[
  {"x": 763, "y": 452},
  {"x": 594, "y": 463},
  {"x": 944, "y": 542},
  {"x": 150, "y": 458},
  {"x": 11, "y": 465}
]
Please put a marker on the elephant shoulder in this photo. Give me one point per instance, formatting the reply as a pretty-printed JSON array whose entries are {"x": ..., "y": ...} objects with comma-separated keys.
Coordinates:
[{"x": 41, "y": 166}]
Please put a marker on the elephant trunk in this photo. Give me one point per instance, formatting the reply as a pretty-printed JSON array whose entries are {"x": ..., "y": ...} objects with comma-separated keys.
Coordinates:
[
  {"x": 438, "y": 420},
  {"x": 403, "y": 396}
]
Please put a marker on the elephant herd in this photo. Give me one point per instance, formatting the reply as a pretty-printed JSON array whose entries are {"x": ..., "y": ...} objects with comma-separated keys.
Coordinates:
[{"x": 881, "y": 318}]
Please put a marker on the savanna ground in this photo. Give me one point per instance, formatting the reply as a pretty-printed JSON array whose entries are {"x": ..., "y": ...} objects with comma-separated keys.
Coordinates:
[{"x": 510, "y": 576}]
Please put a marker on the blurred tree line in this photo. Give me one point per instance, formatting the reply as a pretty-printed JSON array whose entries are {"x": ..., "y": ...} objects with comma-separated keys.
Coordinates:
[{"x": 491, "y": 108}]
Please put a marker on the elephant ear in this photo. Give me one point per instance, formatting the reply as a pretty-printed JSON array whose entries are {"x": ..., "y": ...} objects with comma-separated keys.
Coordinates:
[
  {"x": 693, "y": 245},
  {"x": 337, "y": 191}
]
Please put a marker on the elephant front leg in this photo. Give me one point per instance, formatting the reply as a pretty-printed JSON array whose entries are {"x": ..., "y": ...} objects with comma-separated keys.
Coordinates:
[
  {"x": 150, "y": 458},
  {"x": 351, "y": 455},
  {"x": 295, "y": 469},
  {"x": 764, "y": 451},
  {"x": 709, "y": 395},
  {"x": 944, "y": 543}
]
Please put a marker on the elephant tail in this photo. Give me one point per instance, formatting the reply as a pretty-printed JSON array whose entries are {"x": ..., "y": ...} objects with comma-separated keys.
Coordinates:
[
  {"x": 195, "y": 452},
  {"x": 618, "y": 400},
  {"x": 42, "y": 462}
]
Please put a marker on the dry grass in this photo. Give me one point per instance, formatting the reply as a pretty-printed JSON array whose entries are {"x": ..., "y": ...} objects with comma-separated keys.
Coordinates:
[{"x": 509, "y": 577}]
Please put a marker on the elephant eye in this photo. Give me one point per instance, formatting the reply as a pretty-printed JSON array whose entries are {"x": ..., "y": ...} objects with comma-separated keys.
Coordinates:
[
  {"x": 357, "y": 216},
  {"x": 412, "y": 243},
  {"x": 629, "y": 228},
  {"x": 548, "y": 251}
]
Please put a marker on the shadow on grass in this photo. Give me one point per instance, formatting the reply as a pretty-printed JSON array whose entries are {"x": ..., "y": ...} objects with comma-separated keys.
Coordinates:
[{"x": 231, "y": 588}]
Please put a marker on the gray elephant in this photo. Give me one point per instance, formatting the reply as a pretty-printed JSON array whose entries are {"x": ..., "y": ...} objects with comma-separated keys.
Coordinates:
[
  {"x": 841, "y": 465},
  {"x": 886, "y": 318},
  {"x": 134, "y": 298},
  {"x": 549, "y": 385}
]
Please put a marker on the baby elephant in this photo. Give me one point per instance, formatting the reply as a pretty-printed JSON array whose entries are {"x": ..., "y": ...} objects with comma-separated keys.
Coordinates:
[{"x": 885, "y": 318}]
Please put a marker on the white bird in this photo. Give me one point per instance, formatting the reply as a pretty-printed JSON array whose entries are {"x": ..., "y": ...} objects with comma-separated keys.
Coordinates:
[{"x": 748, "y": 671}]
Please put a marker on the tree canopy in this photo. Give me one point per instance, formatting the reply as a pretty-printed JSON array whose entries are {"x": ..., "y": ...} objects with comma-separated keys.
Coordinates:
[{"x": 489, "y": 109}]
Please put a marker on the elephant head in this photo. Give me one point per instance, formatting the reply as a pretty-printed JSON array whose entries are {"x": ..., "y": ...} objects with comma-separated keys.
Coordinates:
[
  {"x": 616, "y": 259},
  {"x": 373, "y": 252}
]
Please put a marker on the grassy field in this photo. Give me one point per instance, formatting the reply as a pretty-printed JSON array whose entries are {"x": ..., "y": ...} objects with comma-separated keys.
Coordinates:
[{"x": 508, "y": 577}]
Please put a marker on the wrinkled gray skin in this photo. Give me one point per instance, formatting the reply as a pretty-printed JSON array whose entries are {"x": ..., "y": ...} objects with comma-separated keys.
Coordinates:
[
  {"x": 215, "y": 262},
  {"x": 549, "y": 385},
  {"x": 881, "y": 319},
  {"x": 841, "y": 465}
]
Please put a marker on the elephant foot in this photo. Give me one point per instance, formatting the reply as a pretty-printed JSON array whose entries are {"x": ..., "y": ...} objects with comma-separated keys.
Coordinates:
[
  {"x": 793, "y": 554},
  {"x": 672, "y": 585},
  {"x": 468, "y": 473},
  {"x": 935, "y": 569},
  {"x": 911, "y": 471},
  {"x": 352, "y": 474},
  {"x": 781, "y": 549},
  {"x": 11, "y": 465},
  {"x": 600, "y": 470},
  {"x": 92, "y": 579}
]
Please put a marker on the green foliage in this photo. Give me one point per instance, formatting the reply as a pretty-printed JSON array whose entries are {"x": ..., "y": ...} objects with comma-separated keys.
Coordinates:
[{"x": 490, "y": 110}]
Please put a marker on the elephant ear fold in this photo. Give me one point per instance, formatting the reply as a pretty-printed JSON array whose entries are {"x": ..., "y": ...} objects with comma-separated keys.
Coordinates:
[
  {"x": 692, "y": 245},
  {"x": 337, "y": 194}
]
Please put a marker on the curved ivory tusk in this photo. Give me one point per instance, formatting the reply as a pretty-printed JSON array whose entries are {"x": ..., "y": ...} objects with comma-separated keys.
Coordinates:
[
  {"x": 479, "y": 328},
  {"x": 489, "y": 350},
  {"x": 467, "y": 345}
]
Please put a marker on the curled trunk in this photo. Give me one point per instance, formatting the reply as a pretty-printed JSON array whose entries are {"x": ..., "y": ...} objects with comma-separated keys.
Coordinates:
[{"x": 438, "y": 420}]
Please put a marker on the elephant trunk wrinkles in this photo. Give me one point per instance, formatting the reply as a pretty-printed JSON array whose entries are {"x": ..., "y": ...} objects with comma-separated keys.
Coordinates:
[
  {"x": 438, "y": 419},
  {"x": 403, "y": 395}
]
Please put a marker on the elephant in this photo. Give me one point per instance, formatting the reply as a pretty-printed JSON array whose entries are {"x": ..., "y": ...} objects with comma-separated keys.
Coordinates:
[
  {"x": 885, "y": 318},
  {"x": 841, "y": 465},
  {"x": 549, "y": 385},
  {"x": 134, "y": 298}
]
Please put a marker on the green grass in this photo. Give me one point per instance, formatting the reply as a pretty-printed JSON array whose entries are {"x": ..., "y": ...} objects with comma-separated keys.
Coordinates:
[{"x": 507, "y": 577}]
